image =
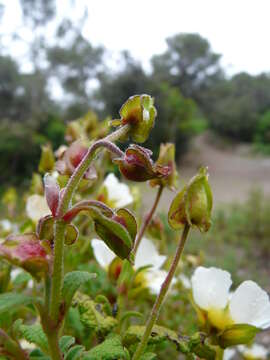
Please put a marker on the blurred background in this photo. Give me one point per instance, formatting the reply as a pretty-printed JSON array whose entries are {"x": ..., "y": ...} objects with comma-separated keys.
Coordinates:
[{"x": 207, "y": 63}]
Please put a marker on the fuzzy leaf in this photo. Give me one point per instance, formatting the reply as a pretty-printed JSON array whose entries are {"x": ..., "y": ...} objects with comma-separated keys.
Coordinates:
[
  {"x": 33, "y": 334},
  {"x": 72, "y": 281},
  {"x": 110, "y": 349},
  {"x": 66, "y": 342},
  {"x": 93, "y": 315},
  {"x": 74, "y": 353},
  {"x": 158, "y": 335},
  {"x": 37, "y": 354},
  {"x": 11, "y": 301}
]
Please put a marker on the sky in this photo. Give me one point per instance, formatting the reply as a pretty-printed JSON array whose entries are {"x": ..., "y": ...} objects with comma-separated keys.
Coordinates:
[{"x": 237, "y": 29}]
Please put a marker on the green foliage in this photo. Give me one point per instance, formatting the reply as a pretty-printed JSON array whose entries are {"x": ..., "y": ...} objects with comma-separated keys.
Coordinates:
[
  {"x": 110, "y": 349},
  {"x": 11, "y": 301},
  {"x": 262, "y": 134},
  {"x": 33, "y": 334},
  {"x": 94, "y": 315},
  {"x": 72, "y": 281}
]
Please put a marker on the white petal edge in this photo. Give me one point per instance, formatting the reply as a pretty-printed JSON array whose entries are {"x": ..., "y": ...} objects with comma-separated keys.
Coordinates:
[
  {"x": 103, "y": 254},
  {"x": 155, "y": 279},
  {"x": 250, "y": 304},
  {"x": 36, "y": 207},
  {"x": 210, "y": 287},
  {"x": 147, "y": 254},
  {"x": 118, "y": 192}
]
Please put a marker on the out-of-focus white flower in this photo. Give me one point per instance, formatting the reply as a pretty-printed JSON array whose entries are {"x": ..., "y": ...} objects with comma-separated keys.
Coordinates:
[
  {"x": 254, "y": 352},
  {"x": 26, "y": 345},
  {"x": 147, "y": 254},
  {"x": 118, "y": 193},
  {"x": 184, "y": 281},
  {"x": 14, "y": 273},
  {"x": 6, "y": 225},
  {"x": 249, "y": 304},
  {"x": 37, "y": 207},
  {"x": 229, "y": 354}
]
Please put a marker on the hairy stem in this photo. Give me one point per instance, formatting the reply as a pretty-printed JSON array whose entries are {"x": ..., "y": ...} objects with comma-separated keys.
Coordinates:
[
  {"x": 85, "y": 163},
  {"x": 160, "y": 298},
  {"x": 55, "y": 351},
  {"x": 58, "y": 269},
  {"x": 59, "y": 234},
  {"x": 147, "y": 220}
]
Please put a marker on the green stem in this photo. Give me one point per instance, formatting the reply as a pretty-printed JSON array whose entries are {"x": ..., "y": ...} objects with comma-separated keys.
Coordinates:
[
  {"x": 163, "y": 291},
  {"x": 58, "y": 269},
  {"x": 59, "y": 235},
  {"x": 47, "y": 295},
  {"x": 55, "y": 351},
  {"x": 85, "y": 163},
  {"x": 147, "y": 220}
]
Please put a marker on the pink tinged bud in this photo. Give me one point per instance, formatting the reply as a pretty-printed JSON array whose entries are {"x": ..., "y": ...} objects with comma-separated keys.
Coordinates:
[
  {"x": 137, "y": 165},
  {"x": 52, "y": 191},
  {"x": 26, "y": 251}
]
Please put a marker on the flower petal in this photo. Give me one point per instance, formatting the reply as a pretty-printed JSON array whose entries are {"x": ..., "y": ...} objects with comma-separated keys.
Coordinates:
[
  {"x": 118, "y": 192},
  {"x": 155, "y": 279},
  {"x": 147, "y": 254},
  {"x": 250, "y": 305},
  {"x": 210, "y": 287},
  {"x": 103, "y": 254},
  {"x": 36, "y": 207},
  {"x": 255, "y": 351}
]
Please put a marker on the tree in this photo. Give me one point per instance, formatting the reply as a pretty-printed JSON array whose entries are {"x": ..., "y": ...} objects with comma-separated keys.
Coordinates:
[{"x": 189, "y": 64}]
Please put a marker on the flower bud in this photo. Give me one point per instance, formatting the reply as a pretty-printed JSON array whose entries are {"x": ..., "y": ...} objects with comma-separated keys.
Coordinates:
[
  {"x": 139, "y": 112},
  {"x": 27, "y": 252},
  {"x": 71, "y": 158},
  {"x": 167, "y": 158},
  {"x": 193, "y": 204},
  {"x": 237, "y": 334},
  {"x": 137, "y": 165},
  {"x": 46, "y": 163}
]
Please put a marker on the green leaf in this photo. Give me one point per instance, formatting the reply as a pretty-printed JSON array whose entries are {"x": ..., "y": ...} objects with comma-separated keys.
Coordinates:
[
  {"x": 37, "y": 354},
  {"x": 114, "y": 234},
  {"x": 110, "y": 349},
  {"x": 72, "y": 281},
  {"x": 159, "y": 334},
  {"x": 11, "y": 301},
  {"x": 129, "y": 314},
  {"x": 204, "y": 351},
  {"x": 148, "y": 356},
  {"x": 33, "y": 334},
  {"x": 74, "y": 353},
  {"x": 66, "y": 342},
  {"x": 93, "y": 315}
]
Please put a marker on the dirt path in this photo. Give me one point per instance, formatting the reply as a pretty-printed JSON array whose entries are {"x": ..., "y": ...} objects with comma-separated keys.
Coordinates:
[{"x": 233, "y": 171}]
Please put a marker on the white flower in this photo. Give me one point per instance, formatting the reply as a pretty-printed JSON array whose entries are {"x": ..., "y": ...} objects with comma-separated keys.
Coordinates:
[
  {"x": 118, "y": 193},
  {"x": 14, "y": 273},
  {"x": 6, "y": 225},
  {"x": 36, "y": 207},
  {"x": 255, "y": 351},
  {"x": 147, "y": 254},
  {"x": 249, "y": 304},
  {"x": 26, "y": 345},
  {"x": 229, "y": 354}
]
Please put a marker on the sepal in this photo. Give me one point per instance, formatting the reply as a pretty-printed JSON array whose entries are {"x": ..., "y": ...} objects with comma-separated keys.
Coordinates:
[
  {"x": 193, "y": 204},
  {"x": 139, "y": 112},
  {"x": 137, "y": 165},
  {"x": 237, "y": 334}
]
